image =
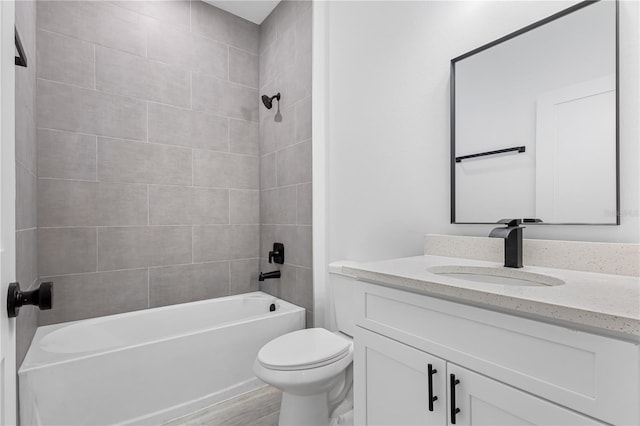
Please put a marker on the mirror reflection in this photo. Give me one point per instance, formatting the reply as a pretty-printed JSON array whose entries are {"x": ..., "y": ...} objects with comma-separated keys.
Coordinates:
[{"x": 534, "y": 132}]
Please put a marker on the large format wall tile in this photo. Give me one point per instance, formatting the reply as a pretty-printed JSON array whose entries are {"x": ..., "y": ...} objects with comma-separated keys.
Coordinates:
[
  {"x": 304, "y": 203},
  {"x": 286, "y": 150},
  {"x": 268, "y": 171},
  {"x": 176, "y": 205},
  {"x": 244, "y": 275},
  {"x": 137, "y": 247},
  {"x": 26, "y": 212},
  {"x": 209, "y": 206},
  {"x": 130, "y": 75},
  {"x": 65, "y": 59},
  {"x": 174, "y": 12},
  {"x": 148, "y": 145},
  {"x": 67, "y": 203},
  {"x": 298, "y": 240},
  {"x": 276, "y": 135},
  {"x": 244, "y": 207},
  {"x": 63, "y": 107},
  {"x": 184, "y": 127},
  {"x": 239, "y": 101},
  {"x": 203, "y": 54},
  {"x": 26, "y": 257},
  {"x": 95, "y": 21},
  {"x": 122, "y": 204},
  {"x": 66, "y": 250},
  {"x": 243, "y": 67},
  {"x": 138, "y": 162},
  {"x": 66, "y": 155},
  {"x": 220, "y": 170},
  {"x": 225, "y": 242},
  {"x": 123, "y": 248},
  {"x": 278, "y": 205},
  {"x": 169, "y": 205},
  {"x": 187, "y": 283},
  {"x": 244, "y": 137},
  {"x": 91, "y": 295},
  {"x": 303, "y": 120},
  {"x": 293, "y": 164},
  {"x": 223, "y": 26}
]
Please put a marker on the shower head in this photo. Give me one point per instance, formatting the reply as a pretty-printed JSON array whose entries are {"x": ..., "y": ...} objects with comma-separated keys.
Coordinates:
[{"x": 268, "y": 101}]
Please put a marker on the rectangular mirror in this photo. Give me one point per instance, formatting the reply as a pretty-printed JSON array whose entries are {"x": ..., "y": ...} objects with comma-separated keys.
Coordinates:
[{"x": 534, "y": 122}]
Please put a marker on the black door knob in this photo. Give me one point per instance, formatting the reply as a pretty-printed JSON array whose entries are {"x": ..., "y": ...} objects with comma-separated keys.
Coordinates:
[{"x": 42, "y": 297}]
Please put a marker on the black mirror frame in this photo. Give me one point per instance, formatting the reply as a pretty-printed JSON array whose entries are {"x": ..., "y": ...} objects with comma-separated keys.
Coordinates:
[{"x": 508, "y": 37}]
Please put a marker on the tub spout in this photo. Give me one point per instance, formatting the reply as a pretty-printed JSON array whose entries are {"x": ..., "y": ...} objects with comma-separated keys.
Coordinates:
[{"x": 269, "y": 275}]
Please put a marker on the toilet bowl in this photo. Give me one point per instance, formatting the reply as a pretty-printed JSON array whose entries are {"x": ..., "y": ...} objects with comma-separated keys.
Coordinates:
[
  {"x": 306, "y": 365},
  {"x": 313, "y": 367}
]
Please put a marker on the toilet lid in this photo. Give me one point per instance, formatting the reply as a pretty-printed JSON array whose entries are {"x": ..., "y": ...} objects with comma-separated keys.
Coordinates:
[{"x": 302, "y": 349}]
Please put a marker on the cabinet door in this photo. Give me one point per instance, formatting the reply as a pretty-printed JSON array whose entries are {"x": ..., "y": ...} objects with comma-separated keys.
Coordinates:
[
  {"x": 392, "y": 383},
  {"x": 483, "y": 401}
]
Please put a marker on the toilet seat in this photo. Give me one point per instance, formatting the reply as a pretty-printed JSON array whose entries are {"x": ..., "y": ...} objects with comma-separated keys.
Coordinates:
[{"x": 304, "y": 349}]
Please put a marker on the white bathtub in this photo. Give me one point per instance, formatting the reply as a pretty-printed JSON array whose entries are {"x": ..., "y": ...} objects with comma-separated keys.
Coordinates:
[{"x": 149, "y": 366}]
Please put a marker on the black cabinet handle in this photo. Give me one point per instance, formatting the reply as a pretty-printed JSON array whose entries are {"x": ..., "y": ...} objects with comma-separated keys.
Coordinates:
[
  {"x": 430, "y": 372},
  {"x": 452, "y": 386}
]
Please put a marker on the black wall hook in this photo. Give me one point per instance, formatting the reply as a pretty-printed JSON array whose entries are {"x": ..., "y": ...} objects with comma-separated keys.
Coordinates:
[{"x": 21, "y": 59}]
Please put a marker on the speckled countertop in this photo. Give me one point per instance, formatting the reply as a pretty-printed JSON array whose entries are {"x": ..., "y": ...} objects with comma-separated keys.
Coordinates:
[{"x": 610, "y": 303}]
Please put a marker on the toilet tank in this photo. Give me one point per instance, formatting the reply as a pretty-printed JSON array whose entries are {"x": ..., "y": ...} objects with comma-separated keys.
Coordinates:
[{"x": 342, "y": 297}]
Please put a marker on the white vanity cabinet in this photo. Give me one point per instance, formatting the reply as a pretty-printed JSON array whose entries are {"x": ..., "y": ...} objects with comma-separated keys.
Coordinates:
[
  {"x": 395, "y": 383},
  {"x": 510, "y": 370}
]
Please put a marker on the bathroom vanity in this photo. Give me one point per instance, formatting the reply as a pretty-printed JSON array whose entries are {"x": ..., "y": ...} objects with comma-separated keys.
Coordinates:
[{"x": 438, "y": 349}]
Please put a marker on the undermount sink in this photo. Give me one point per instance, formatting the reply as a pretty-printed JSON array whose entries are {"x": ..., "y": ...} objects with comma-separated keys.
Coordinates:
[{"x": 502, "y": 276}]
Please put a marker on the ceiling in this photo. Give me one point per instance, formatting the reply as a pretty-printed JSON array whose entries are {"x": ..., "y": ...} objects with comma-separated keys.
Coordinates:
[{"x": 251, "y": 10}]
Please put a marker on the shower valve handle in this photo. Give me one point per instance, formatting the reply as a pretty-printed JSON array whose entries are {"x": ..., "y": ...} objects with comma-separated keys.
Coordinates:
[{"x": 277, "y": 255}]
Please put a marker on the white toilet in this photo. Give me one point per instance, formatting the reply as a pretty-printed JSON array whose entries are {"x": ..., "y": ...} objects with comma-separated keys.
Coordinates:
[{"x": 312, "y": 367}]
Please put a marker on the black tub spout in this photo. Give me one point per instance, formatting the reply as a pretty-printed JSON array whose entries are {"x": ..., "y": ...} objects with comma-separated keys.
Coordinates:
[{"x": 269, "y": 275}]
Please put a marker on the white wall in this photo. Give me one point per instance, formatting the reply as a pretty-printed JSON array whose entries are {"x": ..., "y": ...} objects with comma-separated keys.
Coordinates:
[{"x": 387, "y": 119}]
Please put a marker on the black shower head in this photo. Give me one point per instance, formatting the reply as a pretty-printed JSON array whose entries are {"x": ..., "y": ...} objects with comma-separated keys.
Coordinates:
[{"x": 268, "y": 101}]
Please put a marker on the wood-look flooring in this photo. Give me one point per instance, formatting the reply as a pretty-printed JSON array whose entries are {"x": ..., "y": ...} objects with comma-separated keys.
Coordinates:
[{"x": 260, "y": 407}]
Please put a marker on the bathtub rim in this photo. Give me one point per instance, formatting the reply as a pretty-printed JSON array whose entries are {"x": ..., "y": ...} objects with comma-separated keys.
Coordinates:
[{"x": 43, "y": 331}]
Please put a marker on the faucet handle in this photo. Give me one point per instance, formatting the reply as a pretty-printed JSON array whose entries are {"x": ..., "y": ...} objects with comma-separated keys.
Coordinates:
[
  {"x": 510, "y": 222},
  {"x": 277, "y": 255}
]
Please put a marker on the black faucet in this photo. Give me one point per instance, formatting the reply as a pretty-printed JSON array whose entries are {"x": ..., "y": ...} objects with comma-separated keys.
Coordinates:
[
  {"x": 512, "y": 234},
  {"x": 269, "y": 275}
]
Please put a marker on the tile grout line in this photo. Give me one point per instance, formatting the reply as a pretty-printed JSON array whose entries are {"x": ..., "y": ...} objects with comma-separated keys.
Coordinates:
[
  {"x": 96, "y": 158},
  {"x": 148, "y": 205},
  {"x": 141, "y": 268},
  {"x": 179, "y": 147},
  {"x": 140, "y": 99},
  {"x": 97, "y": 251},
  {"x": 95, "y": 69}
]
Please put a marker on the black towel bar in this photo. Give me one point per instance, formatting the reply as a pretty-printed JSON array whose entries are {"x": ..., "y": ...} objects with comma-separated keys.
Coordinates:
[{"x": 497, "y": 151}]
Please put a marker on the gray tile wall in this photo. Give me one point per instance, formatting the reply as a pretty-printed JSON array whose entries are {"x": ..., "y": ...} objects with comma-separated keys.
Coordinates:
[
  {"x": 148, "y": 155},
  {"x": 26, "y": 210},
  {"x": 285, "y": 150}
]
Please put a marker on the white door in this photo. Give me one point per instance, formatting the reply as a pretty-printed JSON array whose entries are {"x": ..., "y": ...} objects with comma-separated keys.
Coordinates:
[
  {"x": 395, "y": 389},
  {"x": 576, "y": 153},
  {"x": 483, "y": 401},
  {"x": 7, "y": 212}
]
